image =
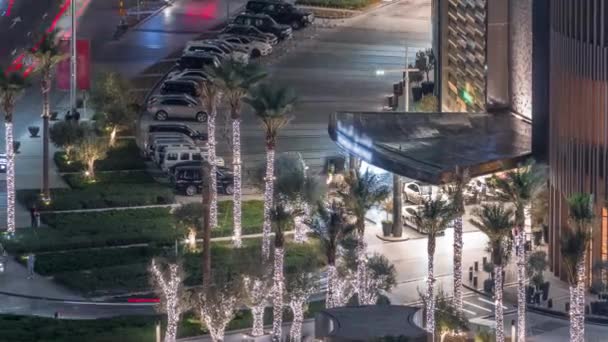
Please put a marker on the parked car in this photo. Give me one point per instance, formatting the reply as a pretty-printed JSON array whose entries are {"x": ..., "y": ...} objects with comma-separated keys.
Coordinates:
[
  {"x": 416, "y": 193},
  {"x": 188, "y": 74},
  {"x": 250, "y": 32},
  {"x": 156, "y": 143},
  {"x": 176, "y": 107},
  {"x": 253, "y": 47},
  {"x": 216, "y": 49},
  {"x": 3, "y": 161},
  {"x": 264, "y": 23},
  {"x": 282, "y": 12},
  {"x": 197, "y": 61},
  {"x": 161, "y": 148},
  {"x": 179, "y": 128},
  {"x": 187, "y": 178},
  {"x": 177, "y": 87}
]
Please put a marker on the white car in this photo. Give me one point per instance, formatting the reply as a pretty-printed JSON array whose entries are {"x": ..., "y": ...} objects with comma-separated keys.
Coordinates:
[
  {"x": 255, "y": 48},
  {"x": 214, "y": 49}
]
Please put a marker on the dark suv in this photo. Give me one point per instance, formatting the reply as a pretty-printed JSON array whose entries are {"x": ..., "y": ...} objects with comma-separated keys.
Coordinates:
[
  {"x": 197, "y": 61},
  {"x": 187, "y": 178},
  {"x": 180, "y": 87},
  {"x": 264, "y": 23},
  {"x": 282, "y": 12}
]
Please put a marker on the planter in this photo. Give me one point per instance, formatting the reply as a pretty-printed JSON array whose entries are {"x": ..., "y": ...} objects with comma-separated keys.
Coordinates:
[
  {"x": 545, "y": 289},
  {"x": 387, "y": 227},
  {"x": 16, "y": 146},
  {"x": 428, "y": 88},
  {"x": 34, "y": 130},
  {"x": 263, "y": 338},
  {"x": 54, "y": 115},
  {"x": 417, "y": 93}
]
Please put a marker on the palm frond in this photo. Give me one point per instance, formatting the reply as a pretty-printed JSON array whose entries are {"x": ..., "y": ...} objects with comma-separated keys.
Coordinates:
[
  {"x": 522, "y": 185},
  {"x": 433, "y": 216},
  {"x": 272, "y": 103},
  {"x": 574, "y": 244},
  {"x": 580, "y": 207}
]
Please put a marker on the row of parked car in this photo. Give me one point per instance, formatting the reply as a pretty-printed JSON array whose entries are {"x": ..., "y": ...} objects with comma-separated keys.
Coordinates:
[
  {"x": 179, "y": 151},
  {"x": 251, "y": 34}
]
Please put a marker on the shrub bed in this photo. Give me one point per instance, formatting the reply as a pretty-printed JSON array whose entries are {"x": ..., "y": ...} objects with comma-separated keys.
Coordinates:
[
  {"x": 341, "y": 4},
  {"x": 252, "y": 218},
  {"x": 99, "y": 196},
  {"x": 107, "y": 280},
  {"x": 96, "y": 229},
  {"x": 125, "y": 156},
  {"x": 79, "y": 181},
  {"x": 52, "y": 263}
]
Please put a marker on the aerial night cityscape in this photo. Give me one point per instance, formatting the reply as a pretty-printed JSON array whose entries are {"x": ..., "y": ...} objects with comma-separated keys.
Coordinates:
[{"x": 303, "y": 170}]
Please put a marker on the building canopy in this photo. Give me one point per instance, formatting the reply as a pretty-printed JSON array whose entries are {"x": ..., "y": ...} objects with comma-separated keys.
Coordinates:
[{"x": 429, "y": 146}]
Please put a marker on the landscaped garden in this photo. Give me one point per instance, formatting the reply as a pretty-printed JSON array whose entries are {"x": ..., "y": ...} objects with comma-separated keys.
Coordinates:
[
  {"x": 341, "y": 4},
  {"x": 124, "y": 156}
]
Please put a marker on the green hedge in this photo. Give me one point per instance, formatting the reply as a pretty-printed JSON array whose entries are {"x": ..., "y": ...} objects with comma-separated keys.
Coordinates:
[
  {"x": 99, "y": 196},
  {"x": 107, "y": 280},
  {"x": 96, "y": 229},
  {"x": 341, "y": 4},
  {"x": 79, "y": 181},
  {"x": 53, "y": 263},
  {"x": 125, "y": 156}
]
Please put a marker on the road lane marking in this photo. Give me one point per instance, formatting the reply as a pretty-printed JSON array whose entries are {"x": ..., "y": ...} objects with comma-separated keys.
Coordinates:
[
  {"x": 470, "y": 312},
  {"x": 477, "y": 306},
  {"x": 489, "y": 302}
]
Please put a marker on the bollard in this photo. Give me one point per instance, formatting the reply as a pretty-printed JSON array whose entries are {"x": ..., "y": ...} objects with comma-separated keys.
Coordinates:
[
  {"x": 470, "y": 274},
  {"x": 586, "y": 309},
  {"x": 567, "y": 306},
  {"x": 550, "y": 303},
  {"x": 484, "y": 261},
  {"x": 476, "y": 266},
  {"x": 475, "y": 281},
  {"x": 158, "y": 332},
  {"x": 513, "y": 330}
]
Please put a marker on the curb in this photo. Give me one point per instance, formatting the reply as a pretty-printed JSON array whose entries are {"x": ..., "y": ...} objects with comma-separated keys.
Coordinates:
[
  {"x": 380, "y": 237},
  {"x": 144, "y": 20},
  {"x": 72, "y": 301}
]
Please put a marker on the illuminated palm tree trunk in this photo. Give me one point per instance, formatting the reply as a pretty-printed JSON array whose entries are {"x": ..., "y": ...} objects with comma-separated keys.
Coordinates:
[
  {"x": 46, "y": 89},
  {"x": 10, "y": 176},
  {"x": 268, "y": 198},
  {"x": 458, "y": 263},
  {"x": 498, "y": 308},
  {"x": 361, "y": 263},
  {"x": 580, "y": 298},
  {"x": 332, "y": 278},
  {"x": 520, "y": 254},
  {"x": 297, "y": 308},
  {"x": 236, "y": 168},
  {"x": 573, "y": 313},
  {"x": 277, "y": 301},
  {"x": 430, "y": 291},
  {"x": 211, "y": 143}
]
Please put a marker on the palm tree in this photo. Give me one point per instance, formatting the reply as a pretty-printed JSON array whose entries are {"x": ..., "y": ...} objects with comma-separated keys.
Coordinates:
[
  {"x": 282, "y": 220},
  {"x": 362, "y": 191},
  {"x": 271, "y": 103},
  {"x": 520, "y": 187},
  {"x": 330, "y": 226},
  {"x": 211, "y": 95},
  {"x": 46, "y": 56},
  {"x": 574, "y": 248},
  {"x": 496, "y": 222},
  {"x": 235, "y": 79},
  {"x": 11, "y": 87},
  {"x": 433, "y": 218},
  {"x": 456, "y": 191}
]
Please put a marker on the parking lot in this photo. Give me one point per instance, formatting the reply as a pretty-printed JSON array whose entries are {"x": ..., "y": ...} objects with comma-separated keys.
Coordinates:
[{"x": 332, "y": 66}]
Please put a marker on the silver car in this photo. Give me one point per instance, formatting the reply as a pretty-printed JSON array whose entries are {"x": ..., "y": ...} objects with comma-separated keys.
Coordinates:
[{"x": 176, "y": 107}]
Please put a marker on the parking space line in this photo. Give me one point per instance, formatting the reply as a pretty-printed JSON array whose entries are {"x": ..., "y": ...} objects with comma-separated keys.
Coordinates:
[
  {"x": 477, "y": 306},
  {"x": 489, "y": 302},
  {"x": 470, "y": 312}
]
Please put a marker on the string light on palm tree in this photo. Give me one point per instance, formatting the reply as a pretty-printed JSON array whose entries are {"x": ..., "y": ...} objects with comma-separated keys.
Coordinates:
[
  {"x": 496, "y": 222},
  {"x": 362, "y": 191},
  {"x": 12, "y": 85},
  {"x": 574, "y": 247},
  {"x": 271, "y": 103},
  {"x": 520, "y": 187},
  {"x": 330, "y": 226},
  {"x": 170, "y": 289},
  {"x": 432, "y": 217},
  {"x": 235, "y": 80}
]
